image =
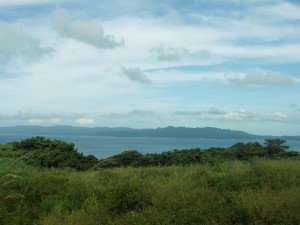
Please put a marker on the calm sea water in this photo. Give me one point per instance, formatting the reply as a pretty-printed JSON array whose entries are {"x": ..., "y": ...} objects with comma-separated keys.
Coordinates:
[{"x": 103, "y": 147}]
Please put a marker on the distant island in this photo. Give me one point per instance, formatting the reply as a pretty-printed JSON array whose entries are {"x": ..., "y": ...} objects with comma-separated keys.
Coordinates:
[{"x": 166, "y": 132}]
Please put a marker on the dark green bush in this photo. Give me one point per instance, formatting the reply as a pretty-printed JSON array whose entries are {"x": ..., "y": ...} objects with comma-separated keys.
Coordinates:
[{"x": 52, "y": 153}]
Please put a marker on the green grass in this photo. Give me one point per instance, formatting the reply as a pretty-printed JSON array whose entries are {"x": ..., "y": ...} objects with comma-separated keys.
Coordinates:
[{"x": 258, "y": 192}]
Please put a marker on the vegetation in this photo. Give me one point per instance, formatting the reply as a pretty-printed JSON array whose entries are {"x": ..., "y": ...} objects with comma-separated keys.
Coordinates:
[
  {"x": 52, "y": 153},
  {"x": 49, "y": 153},
  {"x": 273, "y": 149},
  {"x": 245, "y": 184}
]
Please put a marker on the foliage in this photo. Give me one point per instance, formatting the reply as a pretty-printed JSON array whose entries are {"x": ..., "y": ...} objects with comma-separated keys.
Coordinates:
[
  {"x": 52, "y": 153},
  {"x": 274, "y": 148}
]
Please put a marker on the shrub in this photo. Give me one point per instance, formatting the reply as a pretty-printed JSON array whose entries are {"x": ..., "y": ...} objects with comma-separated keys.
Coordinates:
[{"x": 52, "y": 153}]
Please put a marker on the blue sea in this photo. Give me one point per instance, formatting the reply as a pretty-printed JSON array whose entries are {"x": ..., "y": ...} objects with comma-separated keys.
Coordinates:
[{"x": 103, "y": 147}]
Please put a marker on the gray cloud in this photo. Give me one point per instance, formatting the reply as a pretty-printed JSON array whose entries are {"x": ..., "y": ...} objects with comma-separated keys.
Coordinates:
[
  {"x": 262, "y": 78},
  {"x": 164, "y": 53},
  {"x": 16, "y": 45},
  {"x": 136, "y": 75},
  {"x": 86, "y": 32}
]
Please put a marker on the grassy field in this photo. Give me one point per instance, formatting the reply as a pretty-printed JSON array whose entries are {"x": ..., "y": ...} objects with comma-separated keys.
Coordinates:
[{"x": 257, "y": 192}]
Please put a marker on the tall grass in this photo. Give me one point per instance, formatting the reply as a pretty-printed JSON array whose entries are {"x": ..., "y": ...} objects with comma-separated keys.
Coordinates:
[{"x": 259, "y": 192}]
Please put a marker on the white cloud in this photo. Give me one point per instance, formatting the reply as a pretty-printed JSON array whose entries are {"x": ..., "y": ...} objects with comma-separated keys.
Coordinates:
[
  {"x": 215, "y": 114},
  {"x": 16, "y": 45},
  {"x": 136, "y": 75},
  {"x": 205, "y": 44},
  {"x": 279, "y": 115},
  {"x": 87, "y": 32}
]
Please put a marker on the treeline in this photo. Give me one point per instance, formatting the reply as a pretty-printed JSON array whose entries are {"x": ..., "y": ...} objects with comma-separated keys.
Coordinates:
[
  {"x": 272, "y": 148},
  {"x": 52, "y": 153}
]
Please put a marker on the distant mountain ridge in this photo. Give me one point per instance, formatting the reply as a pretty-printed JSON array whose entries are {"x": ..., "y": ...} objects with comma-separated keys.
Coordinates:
[{"x": 166, "y": 132}]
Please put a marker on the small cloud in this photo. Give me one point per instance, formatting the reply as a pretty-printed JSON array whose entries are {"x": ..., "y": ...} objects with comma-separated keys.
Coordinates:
[
  {"x": 85, "y": 122},
  {"x": 164, "y": 53},
  {"x": 262, "y": 78},
  {"x": 86, "y": 32},
  {"x": 136, "y": 75},
  {"x": 205, "y": 113}
]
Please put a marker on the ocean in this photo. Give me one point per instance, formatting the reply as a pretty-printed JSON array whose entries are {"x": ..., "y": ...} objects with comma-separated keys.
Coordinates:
[{"x": 103, "y": 147}]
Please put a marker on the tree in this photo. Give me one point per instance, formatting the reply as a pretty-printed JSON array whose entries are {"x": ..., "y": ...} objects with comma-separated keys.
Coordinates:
[
  {"x": 42, "y": 152},
  {"x": 127, "y": 158},
  {"x": 242, "y": 151},
  {"x": 275, "y": 146}
]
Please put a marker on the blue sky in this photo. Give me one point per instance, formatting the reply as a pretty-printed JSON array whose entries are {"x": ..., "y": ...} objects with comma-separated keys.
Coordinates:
[{"x": 144, "y": 63}]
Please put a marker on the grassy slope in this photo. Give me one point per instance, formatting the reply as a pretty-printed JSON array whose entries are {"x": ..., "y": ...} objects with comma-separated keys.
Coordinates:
[{"x": 260, "y": 192}]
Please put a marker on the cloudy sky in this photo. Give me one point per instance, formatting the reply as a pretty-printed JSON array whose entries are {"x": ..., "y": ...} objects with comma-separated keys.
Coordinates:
[{"x": 231, "y": 64}]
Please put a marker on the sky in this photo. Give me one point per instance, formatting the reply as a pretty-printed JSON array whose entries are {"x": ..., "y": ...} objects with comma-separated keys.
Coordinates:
[{"x": 231, "y": 64}]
